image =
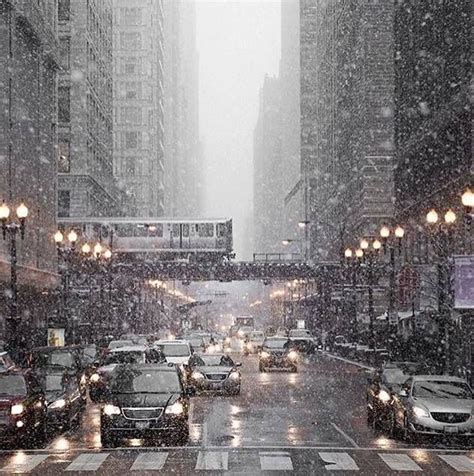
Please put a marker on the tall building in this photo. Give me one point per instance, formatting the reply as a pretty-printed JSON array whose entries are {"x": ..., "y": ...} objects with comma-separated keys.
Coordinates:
[
  {"x": 86, "y": 182},
  {"x": 183, "y": 151},
  {"x": 347, "y": 125},
  {"x": 267, "y": 199},
  {"x": 138, "y": 52},
  {"x": 433, "y": 77},
  {"x": 28, "y": 98}
]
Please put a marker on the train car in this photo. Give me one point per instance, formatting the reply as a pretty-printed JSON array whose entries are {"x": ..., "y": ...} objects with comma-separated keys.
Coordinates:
[{"x": 156, "y": 235}]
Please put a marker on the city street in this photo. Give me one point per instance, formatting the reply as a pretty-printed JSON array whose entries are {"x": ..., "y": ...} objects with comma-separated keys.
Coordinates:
[{"x": 305, "y": 422}]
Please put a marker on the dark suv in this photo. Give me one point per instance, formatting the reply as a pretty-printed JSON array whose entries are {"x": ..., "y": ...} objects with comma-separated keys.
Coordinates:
[
  {"x": 277, "y": 352},
  {"x": 145, "y": 400},
  {"x": 22, "y": 408}
]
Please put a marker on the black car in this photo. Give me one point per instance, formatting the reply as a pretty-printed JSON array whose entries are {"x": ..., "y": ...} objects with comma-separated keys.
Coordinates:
[
  {"x": 215, "y": 373},
  {"x": 383, "y": 385},
  {"x": 145, "y": 400},
  {"x": 64, "y": 402},
  {"x": 277, "y": 352},
  {"x": 22, "y": 408}
]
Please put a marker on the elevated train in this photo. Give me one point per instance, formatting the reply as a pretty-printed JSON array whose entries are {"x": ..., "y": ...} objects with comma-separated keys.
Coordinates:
[{"x": 177, "y": 236}]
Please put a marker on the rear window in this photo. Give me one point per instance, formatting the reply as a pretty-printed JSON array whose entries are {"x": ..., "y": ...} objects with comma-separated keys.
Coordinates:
[
  {"x": 129, "y": 380},
  {"x": 125, "y": 358},
  {"x": 12, "y": 385},
  {"x": 276, "y": 344},
  {"x": 174, "y": 350}
]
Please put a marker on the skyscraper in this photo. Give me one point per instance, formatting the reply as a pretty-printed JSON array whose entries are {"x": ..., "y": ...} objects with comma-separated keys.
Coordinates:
[
  {"x": 138, "y": 49},
  {"x": 86, "y": 182}
]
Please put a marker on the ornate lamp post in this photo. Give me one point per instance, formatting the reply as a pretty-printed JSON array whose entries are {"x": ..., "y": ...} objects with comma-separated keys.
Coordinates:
[{"x": 11, "y": 226}]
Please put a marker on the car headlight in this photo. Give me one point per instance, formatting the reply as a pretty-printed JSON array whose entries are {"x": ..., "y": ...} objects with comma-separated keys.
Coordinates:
[
  {"x": 292, "y": 355},
  {"x": 95, "y": 378},
  {"x": 60, "y": 403},
  {"x": 227, "y": 340},
  {"x": 83, "y": 379},
  {"x": 421, "y": 412},
  {"x": 17, "y": 409},
  {"x": 111, "y": 410},
  {"x": 264, "y": 355},
  {"x": 240, "y": 333},
  {"x": 384, "y": 396},
  {"x": 234, "y": 375},
  {"x": 197, "y": 375},
  {"x": 176, "y": 409}
]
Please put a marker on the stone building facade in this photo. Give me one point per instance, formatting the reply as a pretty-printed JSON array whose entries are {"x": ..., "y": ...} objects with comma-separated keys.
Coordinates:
[
  {"x": 86, "y": 185},
  {"x": 138, "y": 50},
  {"x": 347, "y": 127},
  {"x": 28, "y": 98}
]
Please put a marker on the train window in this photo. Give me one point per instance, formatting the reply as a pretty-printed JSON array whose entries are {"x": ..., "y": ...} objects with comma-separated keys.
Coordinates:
[
  {"x": 206, "y": 230},
  {"x": 221, "y": 230},
  {"x": 175, "y": 230},
  {"x": 185, "y": 230},
  {"x": 155, "y": 229}
]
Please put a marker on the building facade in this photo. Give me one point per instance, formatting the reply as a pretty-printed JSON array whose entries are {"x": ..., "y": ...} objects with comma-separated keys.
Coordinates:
[
  {"x": 183, "y": 150},
  {"x": 138, "y": 56},
  {"x": 347, "y": 125},
  {"x": 86, "y": 185},
  {"x": 28, "y": 98}
]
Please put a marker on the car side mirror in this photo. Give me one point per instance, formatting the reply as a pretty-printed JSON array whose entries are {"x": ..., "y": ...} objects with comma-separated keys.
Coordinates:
[
  {"x": 238, "y": 364},
  {"x": 403, "y": 393},
  {"x": 190, "y": 391}
]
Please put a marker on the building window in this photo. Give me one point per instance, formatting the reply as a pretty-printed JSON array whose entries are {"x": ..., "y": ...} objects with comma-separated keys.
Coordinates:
[
  {"x": 64, "y": 10},
  {"x": 130, "y": 16},
  {"x": 130, "y": 68},
  {"x": 64, "y": 157},
  {"x": 132, "y": 140},
  {"x": 64, "y": 203},
  {"x": 130, "y": 166},
  {"x": 64, "y": 104},
  {"x": 64, "y": 52},
  {"x": 131, "y": 115},
  {"x": 130, "y": 41}
]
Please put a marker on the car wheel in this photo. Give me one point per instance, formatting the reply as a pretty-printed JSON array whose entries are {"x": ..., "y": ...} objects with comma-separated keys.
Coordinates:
[
  {"x": 183, "y": 436},
  {"x": 107, "y": 440},
  {"x": 407, "y": 433},
  {"x": 370, "y": 417},
  {"x": 261, "y": 368}
]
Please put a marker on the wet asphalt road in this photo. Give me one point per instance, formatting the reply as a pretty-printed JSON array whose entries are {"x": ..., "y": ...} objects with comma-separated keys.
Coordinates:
[{"x": 304, "y": 423}]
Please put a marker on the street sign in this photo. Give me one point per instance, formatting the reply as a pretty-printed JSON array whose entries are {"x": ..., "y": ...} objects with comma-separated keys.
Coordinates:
[{"x": 464, "y": 282}]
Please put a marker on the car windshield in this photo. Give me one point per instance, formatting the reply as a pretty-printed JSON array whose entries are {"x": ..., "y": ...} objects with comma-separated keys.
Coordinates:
[
  {"x": 299, "y": 333},
  {"x": 115, "y": 344},
  {"x": 195, "y": 341},
  {"x": 130, "y": 380},
  {"x": 213, "y": 360},
  {"x": 59, "y": 359},
  {"x": 276, "y": 343},
  {"x": 442, "y": 389},
  {"x": 54, "y": 383},
  {"x": 126, "y": 357},
  {"x": 12, "y": 385},
  {"x": 174, "y": 350}
]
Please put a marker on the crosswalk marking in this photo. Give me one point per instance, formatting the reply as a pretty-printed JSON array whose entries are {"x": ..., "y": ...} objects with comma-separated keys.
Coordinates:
[
  {"x": 23, "y": 463},
  {"x": 217, "y": 460},
  {"x": 399, "y": 462},
  {"x": 460, "y": 463},
  {"x": 275, "y": 461},
  {"x": 149, "y": 461},
  {"x": 338, "y": 461},
  {"x": 87, "y": 462}
]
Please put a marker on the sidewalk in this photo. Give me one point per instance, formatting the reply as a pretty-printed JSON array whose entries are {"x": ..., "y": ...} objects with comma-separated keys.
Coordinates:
[{"x": 347, "y": 361}]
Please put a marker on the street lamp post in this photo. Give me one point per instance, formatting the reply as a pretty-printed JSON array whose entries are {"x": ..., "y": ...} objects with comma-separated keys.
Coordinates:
[
  {"x": 11, "y": 227},
  {"x": 353, "y": 258}
]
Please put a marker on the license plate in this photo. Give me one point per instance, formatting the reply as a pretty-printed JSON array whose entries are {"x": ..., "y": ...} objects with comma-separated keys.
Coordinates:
[
  {"x": 215, "y": 386},
  {"x": 141, "y": 425},
  {"x": 451, "y": 429}
]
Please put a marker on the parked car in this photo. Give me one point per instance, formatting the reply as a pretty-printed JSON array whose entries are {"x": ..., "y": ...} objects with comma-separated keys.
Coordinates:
[
  {"x": 175, "y": 351},
  {"x": 214, "y": 372},
  {"x": 302, "y": 341},
  {"x": 277, "y": 353},
  {"x": 22, "y": 408},
  {"x": 145, "y": 401},
  {"x": 433, "y": 405}
]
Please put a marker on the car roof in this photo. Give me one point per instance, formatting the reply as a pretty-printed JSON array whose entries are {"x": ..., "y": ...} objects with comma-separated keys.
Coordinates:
[
  {"x": 165, "y": 367},
  {"x": 203, "y": 354},
  {"x": 176, "y": 341},
  {"x": 50, "y": 348},
  {"x": 438, "y": 378},
  {"x": 129, "y": 348}
]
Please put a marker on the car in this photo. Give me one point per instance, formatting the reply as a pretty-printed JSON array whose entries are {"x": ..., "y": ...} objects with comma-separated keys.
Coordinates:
[
  {"x": 116, "y": 344},
  {"x": 175, "y": 351},
  {"x": 277, "y": 353},
  {"x": 22, "y": 408},
  {"x": 214, "y": 372},
  {"x": 244, "y": 332},
  {"x": 64, "y": 402},
  {"x": 133, "y": 354},
  {"x": 145, "y": 400},
  {"x": 196, "y": 342},
  {"x": 302, "y": 340},
  {"x": 433, "y": 405},
  {"x": 254, "y": 342}
]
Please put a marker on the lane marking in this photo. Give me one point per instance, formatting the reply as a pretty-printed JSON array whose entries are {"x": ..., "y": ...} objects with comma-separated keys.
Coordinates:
[
  {"x": 275, "y": 461},
  {"x": 149, "y": 461},
  {"x": 87, "y": 462},
  {"x": 339, "y": 462},
  {"x": 212, "y": 460},
  {"x": 399, "y": 462},
  {"x": 460, "y": 463},
  {"x": 345, "y": 435},
  {"x": 348, "y": 361},
  {"x": 23, "y": 463}
]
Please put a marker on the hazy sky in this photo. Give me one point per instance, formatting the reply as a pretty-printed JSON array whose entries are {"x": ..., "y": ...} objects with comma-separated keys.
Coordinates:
[{"x": 238, "y": 42}]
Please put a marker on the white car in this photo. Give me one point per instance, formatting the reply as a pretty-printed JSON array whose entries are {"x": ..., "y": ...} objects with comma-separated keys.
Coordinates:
[
  {"x": 175, "y": 351},
  {"x": 254, "y": 341},
  {"x": 116, "y": 344}
]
